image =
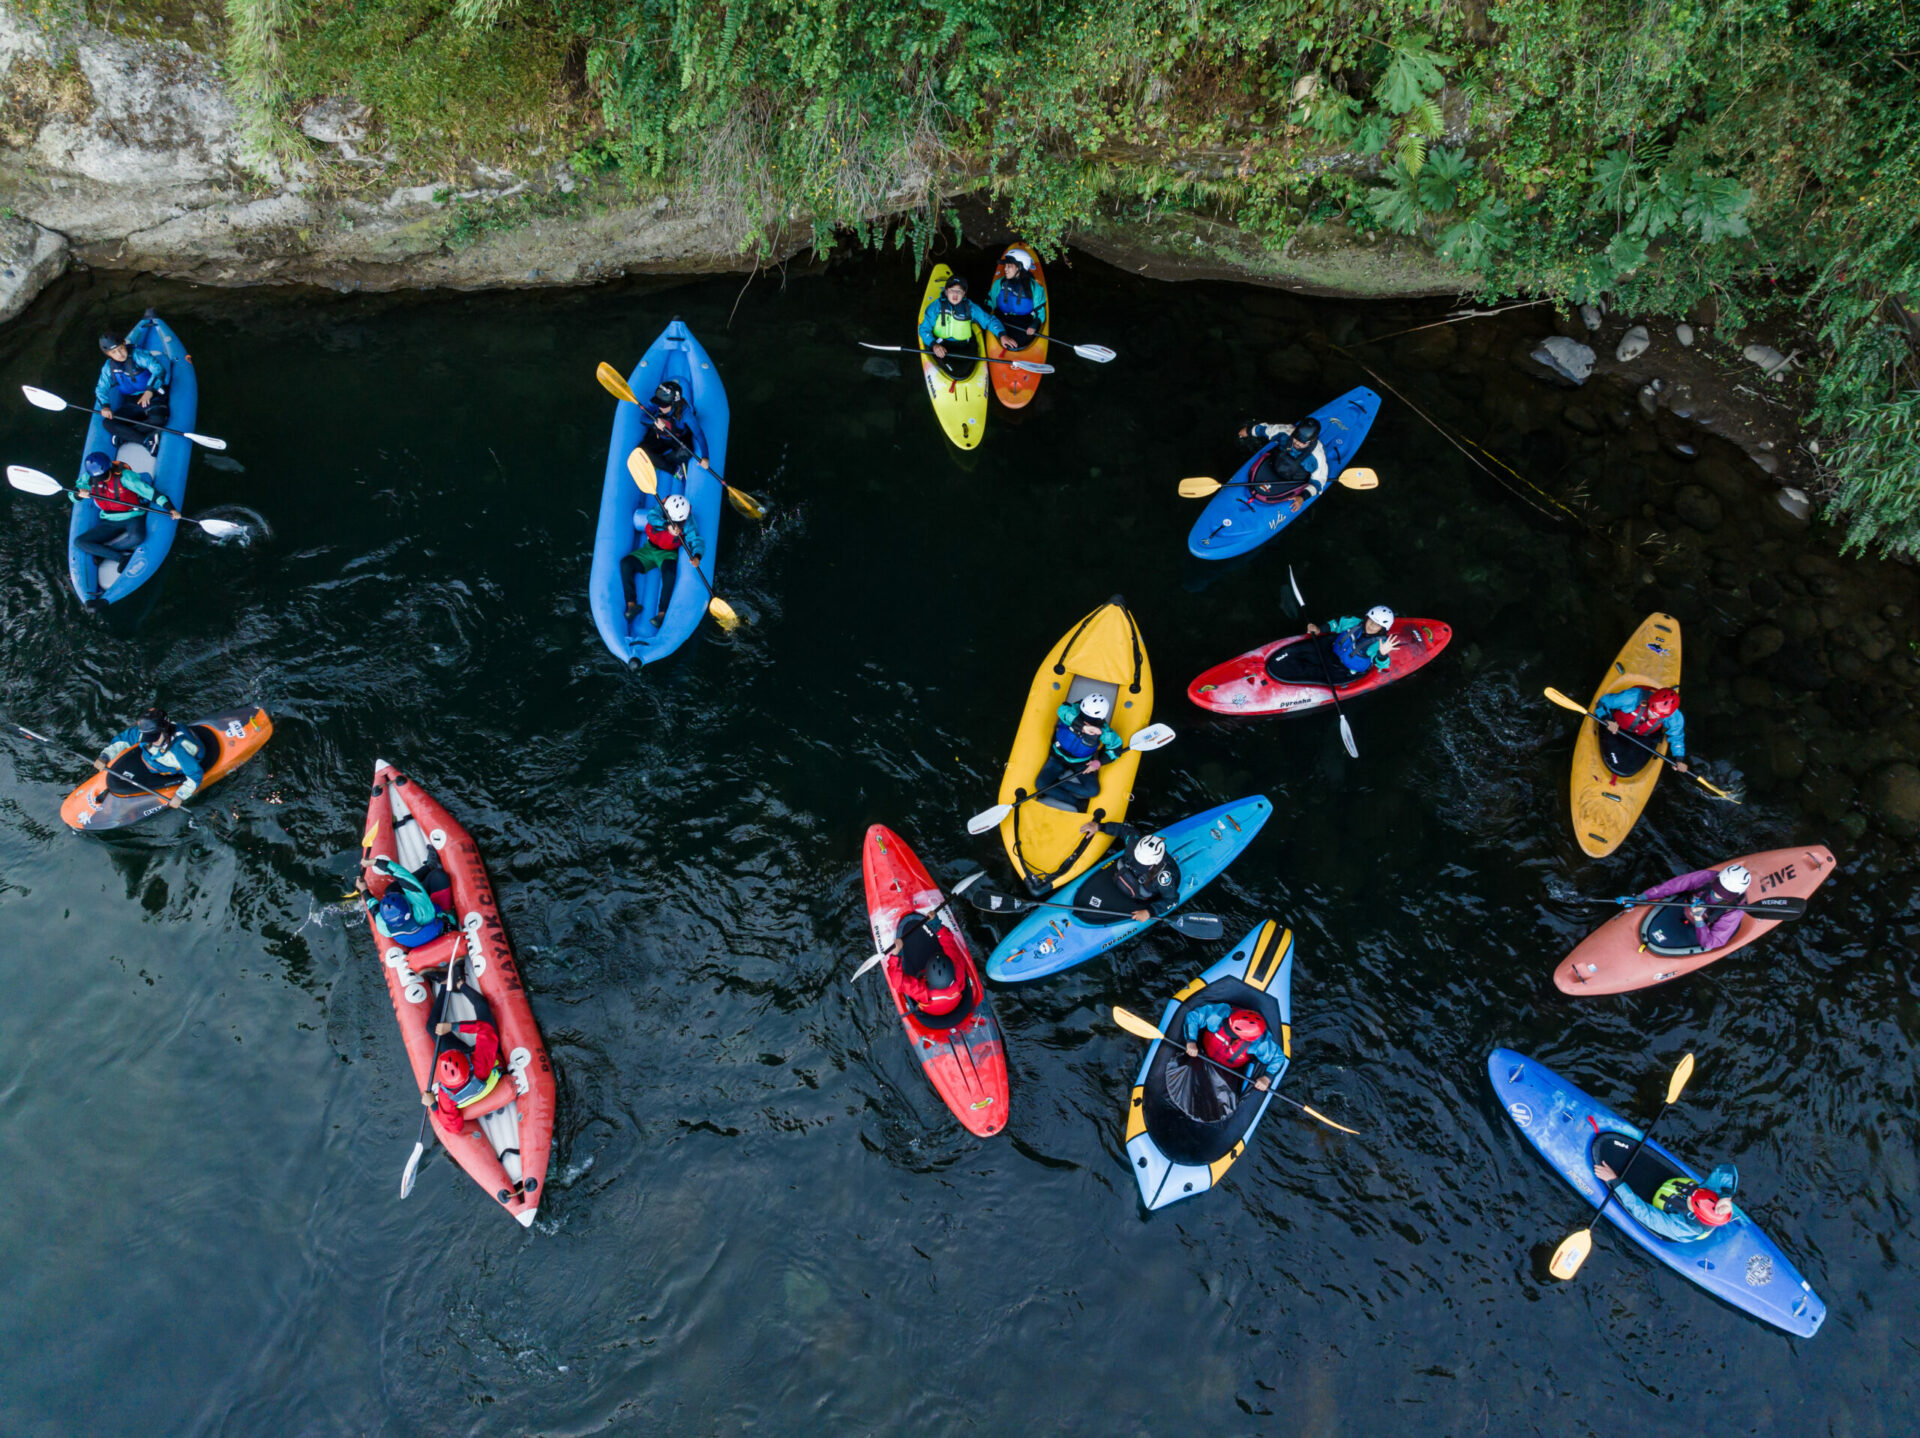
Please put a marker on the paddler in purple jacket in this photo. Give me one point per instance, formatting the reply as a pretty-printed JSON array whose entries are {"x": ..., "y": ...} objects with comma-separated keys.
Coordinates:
[{"x": 1697, "y": 894}]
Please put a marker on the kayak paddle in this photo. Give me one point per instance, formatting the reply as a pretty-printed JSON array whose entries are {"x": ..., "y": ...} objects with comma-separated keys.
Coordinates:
[
  {"x": 1030, "y": 366},
  {"x": 1154, "y": 736},
  {"x": 611, "y": 382},
  {"x": 412, "y": 1170},
  {"x": 1142, "y": 1028},
  {"x": 1565, "y": 703},
  {"x": 1199, "y": 487},
  {"x": 34, "y": 481},
  {"x": 1293, "y": 605},
  {"x": 1099, "y": 354},
  {"x": 1574, "y": 1249},
  {"x": 1346, "y": 729},
  {"x": 127, "y": 778},
  {"x": 45, "y": 399},
  {"x": 1782, "y": 907},
  {"x": 997, "y": 901},
  {"x": 640, "y": 466}
]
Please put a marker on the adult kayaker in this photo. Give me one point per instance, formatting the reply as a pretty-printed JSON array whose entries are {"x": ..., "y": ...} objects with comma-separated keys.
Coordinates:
[
  {"x": 165, "y": 754},
  {"x": 1235, "y": 1038},
  {"x": 1682, "y": 1210},
  {"x": 666, "y": 527},
  {"x": 1082, "y": 742},
  {"x": 1693, "y": 921},
  {"x": 1291, "y": 473},
  {"x": 1018, "y": 303},
  {"x": 132, "y": 385},
  {"x": 468, "y": 1065},
  {"x": 921, "y": 963},
  {"x": 415, "y": 909},
  {"x": 1648, "y": 714},
  {"x": 1143, "y": 883},
  {"x": 946, "y": 325},
  {"x": 1341, "y": 652},
  {"x": 119, "y": 494},
  {"x": 673, "y": 425}
]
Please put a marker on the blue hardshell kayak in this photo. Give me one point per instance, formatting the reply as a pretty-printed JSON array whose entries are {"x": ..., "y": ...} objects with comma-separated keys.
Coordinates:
[
  {"x": 1051, "y": 939},
  {"x": 147, "y": 539},
  {"x": 1737, "y": 1263},
  {"x": 1235, "y": 523},
  {"x": 676, "y": 355},
  {"x": 1173, "y": 1155}
]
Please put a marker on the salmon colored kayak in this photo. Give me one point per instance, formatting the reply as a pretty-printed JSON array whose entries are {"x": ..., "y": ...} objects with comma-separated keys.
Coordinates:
[{"x": 1619, "y": 957}]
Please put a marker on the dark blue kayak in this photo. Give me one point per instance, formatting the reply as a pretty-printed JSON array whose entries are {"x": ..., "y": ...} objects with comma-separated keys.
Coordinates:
[
  {"x": 145, "y": 540},
  {"x": 1235, "y": 523},
  {"x": 1737, "y": 1263},
  {"x": 676, "y": 355}
]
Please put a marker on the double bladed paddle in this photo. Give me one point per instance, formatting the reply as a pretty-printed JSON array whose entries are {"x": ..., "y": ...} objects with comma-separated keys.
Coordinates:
[
  {"x": 1154, "y": 736},
  {"x": 1556, "y": 697},
  {"x": 614, "y": 385},
  {"x": 1574, "y": 1249},
  {"x": 1200, "y": 486},
  {"x": 1143, "y": 1028},
  {"x": 640, "y": 466},
  {"x": 46, "y": 399},
  {"x": 34, "y": 481},
  {"x": 997, "y": 901}
]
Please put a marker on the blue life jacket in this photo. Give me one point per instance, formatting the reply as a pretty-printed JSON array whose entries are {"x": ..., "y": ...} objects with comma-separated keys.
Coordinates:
[
  {"x": 1014, "y": 297},
  {"x": 396, "y": 918},
  {"x": 1349, "y": 647},
  {"x": 1071, "y": 743}
]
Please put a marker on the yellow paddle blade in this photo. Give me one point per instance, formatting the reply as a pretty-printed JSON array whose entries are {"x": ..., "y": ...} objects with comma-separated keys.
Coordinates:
[
  {"x": 613, "y": 384},
  {"x": 745, "y": 503},
  {"x": 1329, "y": 1122},
  {"x": 1568, "y": 1257},
  {"x": 1681, "y": 1073},
  {"x": 1557, "y": 697},
  {"x": 1359, "y": 479},
  {"x": 1711, "y": 788},
  {"x": 640, "y": 466},
  {"x": 1134, "y": 1024},
  {"x": 723, "y": 613},
  {"x": 372, "y": 829},
  {"x": 1199, "y": 487}
]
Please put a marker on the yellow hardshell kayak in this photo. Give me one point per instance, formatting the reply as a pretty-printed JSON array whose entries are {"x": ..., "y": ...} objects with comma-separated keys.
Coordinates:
[
  {"x": 1606, "y": 806},
  {"x": 1104, "y": 651},
  {"x": 959, "y": 404}
]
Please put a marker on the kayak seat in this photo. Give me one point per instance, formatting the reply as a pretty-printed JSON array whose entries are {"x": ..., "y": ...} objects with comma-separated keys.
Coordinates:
[
  {"x": 136, "y": 457},
  {"x": 1648, "y": 1171},
  {"x": 1621, "y": 755},
  {"x": 1665, "y": 931}
]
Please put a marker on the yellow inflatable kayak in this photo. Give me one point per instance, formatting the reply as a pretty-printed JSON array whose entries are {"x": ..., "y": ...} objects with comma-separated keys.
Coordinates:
[
  {"x": 1102, "y": 653},
  {"x": 959, "y": 404},
  {"x": 1606, "y": 805}
]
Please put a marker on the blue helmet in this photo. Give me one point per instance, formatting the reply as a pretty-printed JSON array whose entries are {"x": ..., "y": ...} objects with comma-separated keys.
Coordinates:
[{"x": 97, "y": 463}]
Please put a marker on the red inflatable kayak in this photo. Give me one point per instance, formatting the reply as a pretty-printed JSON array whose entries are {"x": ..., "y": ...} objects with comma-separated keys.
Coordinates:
[
  {"x": 963, "y": 1053},
  {"x": 1619, "y": 957},
  {"x": 504, "y": 1143},
  {"x": 1242, "y": 686}
]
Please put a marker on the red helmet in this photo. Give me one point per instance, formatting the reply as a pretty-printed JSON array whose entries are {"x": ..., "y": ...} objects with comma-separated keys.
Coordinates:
[
  {"x": 453, "y": 1070},
  {"x": 1246, "y": 1024},
  {"x": 1705, "y": 1204},
  {"x": 1663, "y": 702}
]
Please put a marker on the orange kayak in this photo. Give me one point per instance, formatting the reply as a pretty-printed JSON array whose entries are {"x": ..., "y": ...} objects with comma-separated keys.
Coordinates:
[
  {"x": 231, "y": 737},
  {"x": 1016, "y": 386}
]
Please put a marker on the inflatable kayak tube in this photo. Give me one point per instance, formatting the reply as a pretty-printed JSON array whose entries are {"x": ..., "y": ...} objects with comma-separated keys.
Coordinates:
[
  {"x": 508, "y": 1136},
  {"x": 1102, "y": 654},
  {"x": 1050, "y": 940},
  {"x": 1737, "y": 1263},
  {"x": 1174, "y": 1155},
  {"x": 1242, "y": 686},
  {"x": 959, "y": 404},
  {"x": 676, "y": 355},
  {"x": 148, "y": 539},
  {"x": 1236, "y": 523},
  {"x": 1620, "y": 956},
  {"x": 1014, "y": 387},
  {"x": 1607, "y": 805},
  {"x": 227, "y": 740},
  {"x": 963, "y": 1054}
]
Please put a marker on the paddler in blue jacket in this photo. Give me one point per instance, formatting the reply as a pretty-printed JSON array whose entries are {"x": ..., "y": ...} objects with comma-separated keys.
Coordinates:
[
  {"x": 1362, "y": 644},
  {"x": 946, "y": 325},
  {"x": 1233, "y": 1038},
  {"x": 673, "y": 431},
  {"x": 167, "y": 751},
  {"x": 1016, "y": 301},
  {"x": 1650, "y": 715},
  {"x": 1082, "y": 742},
  {"x": 132, "y": 385},
  {"x": 1682, "y": 1211}
]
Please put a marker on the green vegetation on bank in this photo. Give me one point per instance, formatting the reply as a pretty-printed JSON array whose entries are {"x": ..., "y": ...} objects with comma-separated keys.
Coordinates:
[{"x": 1759, "y": 155}]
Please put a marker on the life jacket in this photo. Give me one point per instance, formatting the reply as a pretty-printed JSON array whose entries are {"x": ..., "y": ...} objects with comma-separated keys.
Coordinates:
[
  {"x": 407, "y": 913},
  {"x": 476, "y": 1089},
  {"x": 656, "y": 443},
  {"x": 663, "y": 538},
  {"x": 110, "y": 496},
  {"x": 953, "y": 325},
  {"x": 1136, "y": 882},
  {"x": 1678, "y": 1193},
  {"x": 1641, "y": 720},
  {"x": 1071, "y": 741},
  {"x": 1016, "y": 296},
  {"x": 129, "y": 379},
  {"x": 922, "y": 940},
  {"x": 1350, "y": 647},
  {"x": 1280, "y": 470},
  {"x": 1225, "y": 1047}
]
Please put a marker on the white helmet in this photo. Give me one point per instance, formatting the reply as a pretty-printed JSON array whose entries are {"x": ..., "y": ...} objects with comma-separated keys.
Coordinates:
[
  {"x": 678, "y": 508},
  {"x": 1735, "y": 879},
  {"x": 1150, "y": 851},
  {"x": 1381, "y": 615},
  {"x": 1096, "y": 706},
  {"x": 1020, "y": 257}
]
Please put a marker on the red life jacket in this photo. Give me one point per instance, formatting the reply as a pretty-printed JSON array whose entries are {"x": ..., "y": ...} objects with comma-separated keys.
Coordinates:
[
  {"x": 946, "y": 1000},
  {"x": 1225, "y": 1048},
  {"x": 110, "y": 496},
  {"x": 663, "y": 538},
  {"x": 1642, "y": 720}
]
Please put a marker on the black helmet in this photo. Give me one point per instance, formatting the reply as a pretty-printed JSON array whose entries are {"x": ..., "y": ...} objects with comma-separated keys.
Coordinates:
[
  {"x": 155, "y": 727},
  {"x": 111, "y": 341},
  {"x": 938, "y": 973},
  {"x": 1308, "y": 429},
  {"x": 952, "y": 280},
  {"x": 668, "y": 393}
]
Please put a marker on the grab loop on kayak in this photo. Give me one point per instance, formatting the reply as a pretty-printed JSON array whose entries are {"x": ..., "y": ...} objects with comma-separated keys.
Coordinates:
[
  {"x": 412, "y": 984},
  {"x": 517, "y": 1066},
  {"x": 438, "y": 838}
]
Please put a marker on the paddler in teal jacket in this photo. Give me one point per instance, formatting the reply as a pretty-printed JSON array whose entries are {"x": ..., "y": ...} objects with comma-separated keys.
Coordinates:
[
  {"x": 1362, "y": 644},
  {"x": 1016, "y": 301},
  {"x": 167, "y": 750},
  {"x": 1682, "y": 1211},
  {"x": 947, "y": 323}
]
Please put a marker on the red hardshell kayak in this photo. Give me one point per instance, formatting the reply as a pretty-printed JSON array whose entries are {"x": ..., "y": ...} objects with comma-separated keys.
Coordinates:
[
  {"x": 1241, "y": 685},
  {"x": 505, "y": 1143},
  {"x": 966, "y": 1062}
]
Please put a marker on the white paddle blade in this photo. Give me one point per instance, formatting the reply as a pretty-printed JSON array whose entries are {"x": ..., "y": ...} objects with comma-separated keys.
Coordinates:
[
  {"x": 42, "y": 399},
  {"x": 876, "y": 959},
  {"x": 37, "y": 738},
  {"x": 868, "y": 344},
  {"x": 1346, "y": 738},
  {"x": 1099, "y": 354},
  {"x": 1031, "y": 368},
  {"x": 412, "y": 1170},
  {"x": 32, "y": 480},
  {"x": 205, "y": 441},
  {"x": 1154, "y": 736},
  {"x": 988, "y": 819},
  {"x": 1296, "y": 588},
  {"x": 221, "y": 528},
  {"x": 967, "y": 883}
]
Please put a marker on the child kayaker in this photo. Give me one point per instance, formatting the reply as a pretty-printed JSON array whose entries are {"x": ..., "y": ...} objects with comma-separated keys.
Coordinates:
[
  {"x": 946, "y": 325},
  {"x": 666, "y": 526},
  {"x": 1082, "y": 742},
  {"x": 1650, "y": 715},
  {"x": 922, "y": 963}
]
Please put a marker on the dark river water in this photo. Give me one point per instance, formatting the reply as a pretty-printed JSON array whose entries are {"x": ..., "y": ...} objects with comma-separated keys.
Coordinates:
[{"x": 760, "y": 1217}]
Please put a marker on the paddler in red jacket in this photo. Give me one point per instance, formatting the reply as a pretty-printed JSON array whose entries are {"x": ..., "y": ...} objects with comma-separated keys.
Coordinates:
[
  {"x": 924, "y": 964},
  {"x": 468, "y": 1065},
  {"x": 665, "y": 529}
]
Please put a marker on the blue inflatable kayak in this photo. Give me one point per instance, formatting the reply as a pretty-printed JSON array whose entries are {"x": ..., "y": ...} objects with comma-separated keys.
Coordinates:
[
  {"x": 146, "y": 540},
  {"x": 1235, "y": 523},
  {"x": 1571, "y": 1129},
  {"x": 676, "y": 355},
  {"x": 1176, "y": 1154},
  {"x": 1051, "y": 939}
]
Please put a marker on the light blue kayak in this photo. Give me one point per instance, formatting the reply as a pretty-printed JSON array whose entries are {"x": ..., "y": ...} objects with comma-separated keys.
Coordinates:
[
  {"x": 676, "y": 355},
  {"x": 1737, "y": 1263},
  {"x": 1235, "y": 523},
  {"x": 1051, "y": 939},
  {"x": 148, "y": 539}
]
